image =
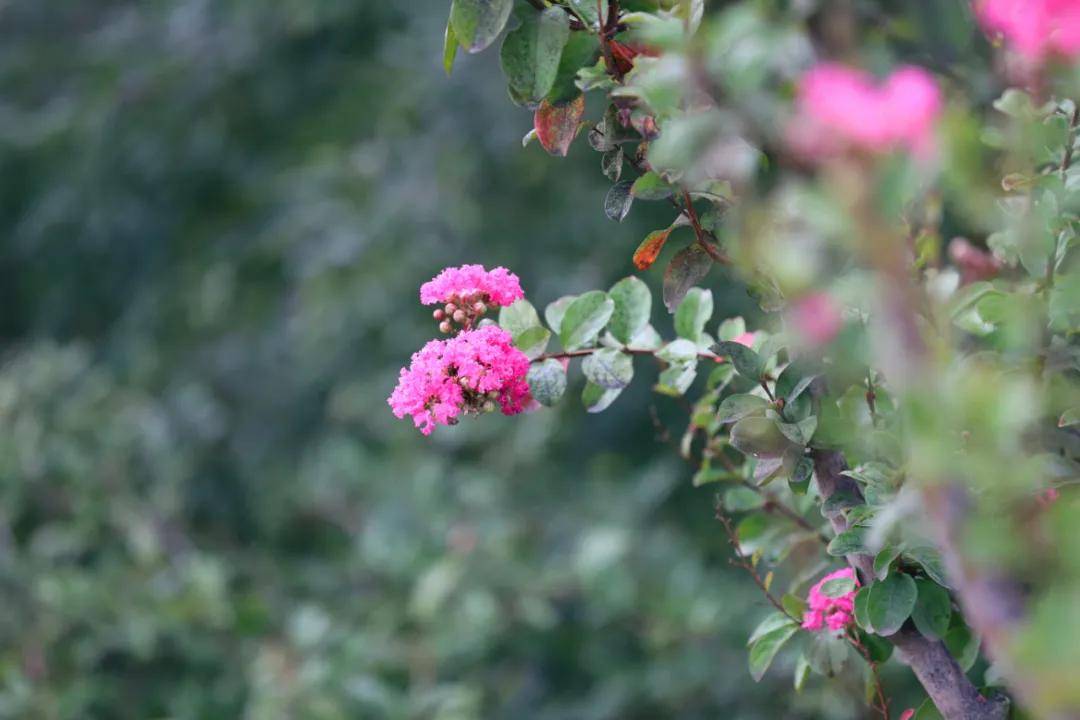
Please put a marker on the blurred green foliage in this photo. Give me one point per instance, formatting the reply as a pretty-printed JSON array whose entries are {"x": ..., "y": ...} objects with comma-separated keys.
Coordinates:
[{"x": 214, "y": 218}]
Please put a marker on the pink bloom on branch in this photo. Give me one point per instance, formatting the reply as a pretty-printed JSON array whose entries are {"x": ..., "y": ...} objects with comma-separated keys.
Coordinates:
[
  {"x": 497, "y": 288},
  {"x": 908, "y": 714},
  {"x": 817, "y": 318},
  {"x": 1034, "y": 28},
  {"x": 840, "y": 108},
  {"x": 470, "y": 372},
  {"x": 828, "y": 612}
]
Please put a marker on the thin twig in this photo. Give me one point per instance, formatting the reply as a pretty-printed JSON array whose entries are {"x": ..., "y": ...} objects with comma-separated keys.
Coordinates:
[
  {"x": 879, "y": 691},
  {"x": 740, "y": 561}
]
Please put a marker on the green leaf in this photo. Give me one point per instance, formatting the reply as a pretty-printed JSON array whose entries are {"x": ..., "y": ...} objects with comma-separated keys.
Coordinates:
[
  {"x": 610, "y": 368},
  {"x": 802, "y": 671},
  {"x": 794, "y": 605},
  {"x": 773, "y": 622},
  {"x": 651, "y": 186},
  {"x": 587, "y": 11},
  {"x": 837, "y": 587},
  {"x": 747, "y": 362},
  {"x": 633, "y": 305},
  {"x": 518, "y": 317},
  {"x": 597, "y": 399},
  {"x": 477, "y": 23},
  {"x": 862, "y": 616},
  {"x": 585, "y": 317},
  {"x": 450, "y": 48},
  {"x": 884, "y": 559},
  {"x": 877, "y": 647},
  {"x": 689, "y": 266},
  {"x": 533, "y": 342},
  {"x": 764, "y": 650},
  {"x": 758, "y": 436},
  {"x": 799, "y": 482},
  {"x": 891, "y": 602},
  {"x": 678, "y": 351},
  {"x": 933, "y": 609},
  {"x": 555, "y": 311},
  {"x": 692, "y": 314},
  {"x": 828, "y": 654},
  {"x": 736, "y": 407},
  {"x": 800, "y": 432},
  {"x": 580, "y": 52},
  {"x": 962, "y": 644},
  {"x": 742, "y": 499},
  {"x": 547, "y": 381},
  {"x": 618, "y": 201},
  {"x": 530, "y": 53},
  {"x": 677, "y": 379},
  {"x": 848, "y": 542},
  {"x": 929, "y": 559},
  {"x": 1069, "y": 418}
]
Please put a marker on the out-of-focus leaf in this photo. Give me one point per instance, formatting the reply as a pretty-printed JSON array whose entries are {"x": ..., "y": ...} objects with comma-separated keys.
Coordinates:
[
  {"x": 651, "y": 186},
  {"x": 759, "y": 437},
  {"x": 765, "y": 648},
  {"x": 477, "y": 23},
  {"x": 650, "y": 248},
  {"x": 597, "y": 399},
  {"x": 747, "y": 362},
  {"x": 450, "y": 48}
]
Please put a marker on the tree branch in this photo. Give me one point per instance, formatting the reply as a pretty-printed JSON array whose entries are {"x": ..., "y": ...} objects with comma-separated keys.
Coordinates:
[{"x": 950, "y": 689}]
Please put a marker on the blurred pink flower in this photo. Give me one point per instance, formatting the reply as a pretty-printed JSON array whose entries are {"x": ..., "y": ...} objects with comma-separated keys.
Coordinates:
[
  {"x": 817, "y": 318},
  {"x": 496, "y": 288},
  {"x": 907, "y": 714},
  {"x": 747, "y": 339},
  {"x": 462, "y": 374},
  {"x": 1034, "y": 28},
  {"x": 829, "y": 612},
  {"x": 1047, "y": 497},
  {"x": 840, "y": 108}
]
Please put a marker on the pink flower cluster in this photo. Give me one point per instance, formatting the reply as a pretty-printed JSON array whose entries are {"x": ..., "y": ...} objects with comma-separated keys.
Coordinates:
[
  {"x": 828, "y": 612},
  {"x": 495, "y": 288},
  {"x": 1034, "y": 28},
  {"x": 840, "y": 108},
  {"x": 467, "y": 373},
  {"x": 817, "y": 318}
]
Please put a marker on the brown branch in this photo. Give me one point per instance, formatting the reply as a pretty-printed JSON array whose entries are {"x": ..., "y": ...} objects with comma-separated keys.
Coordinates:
[
  {"x": 879, "y": 691},
  {"x": 569, "y": 354},
  {"x": 740, "y": 561},
  {"x": 949, "y": 688}
]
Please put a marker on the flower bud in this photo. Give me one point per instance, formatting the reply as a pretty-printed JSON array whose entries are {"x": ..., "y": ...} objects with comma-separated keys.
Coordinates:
[
  {"x": 444, "y": 327},
  {"x": 439, "y": 315},
  {"x": 459, "y": 316},
  {"x": 450, "y": 308},
  {"x": 489, "y": 406},
  {"x": 479, "y": 308}
]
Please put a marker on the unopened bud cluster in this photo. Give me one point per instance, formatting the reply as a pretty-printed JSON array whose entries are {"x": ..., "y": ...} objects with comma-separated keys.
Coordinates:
[{"x": 462, "y": 311}]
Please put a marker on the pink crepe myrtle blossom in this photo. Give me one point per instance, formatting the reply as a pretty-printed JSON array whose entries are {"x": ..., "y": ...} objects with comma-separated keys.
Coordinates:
[
  {"x": 1035, "y": 29},
  {"x": 468, "y": 373},
  {"x": 817, "y": 318},
  {"x": 834, "y": 613},
  {"x": 496, "y": 288},
  {"x": 841, "y": 108}
]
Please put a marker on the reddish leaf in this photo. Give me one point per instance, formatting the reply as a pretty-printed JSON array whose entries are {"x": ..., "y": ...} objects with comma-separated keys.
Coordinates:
[
  {"x": 557, "y": 125},
  {"x": 650, "y": 248}
]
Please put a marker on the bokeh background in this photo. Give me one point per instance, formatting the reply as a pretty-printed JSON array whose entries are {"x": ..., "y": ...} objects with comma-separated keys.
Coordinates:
[{"x": 214, "y": 218}]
